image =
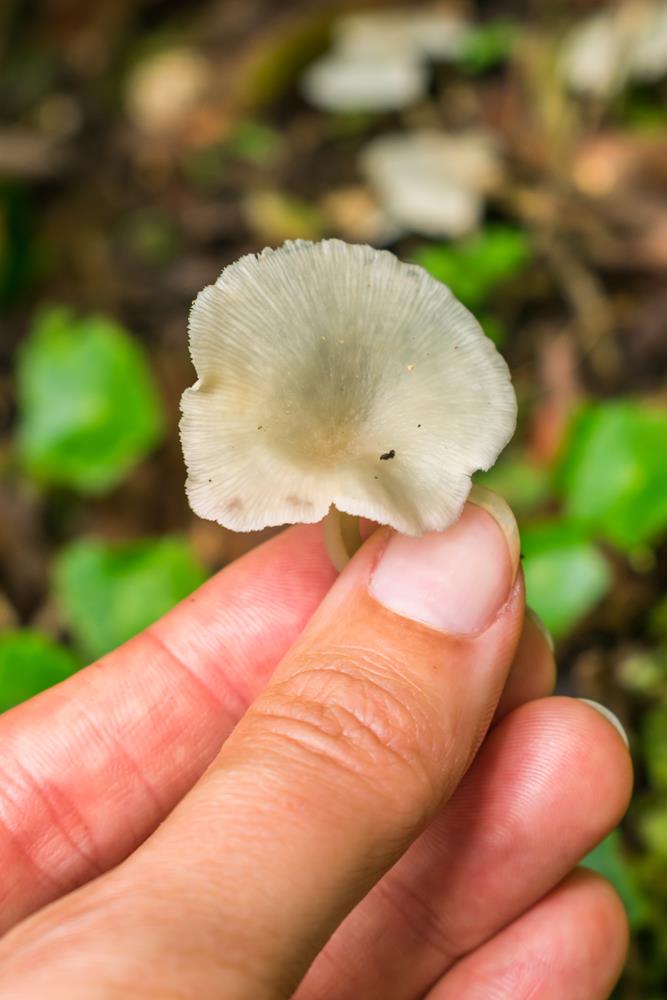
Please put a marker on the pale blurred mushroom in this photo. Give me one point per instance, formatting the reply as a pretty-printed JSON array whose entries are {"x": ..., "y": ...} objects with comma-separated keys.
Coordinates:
[
  {"x": 592, "y": 57},
  {"x": 433, "y": 183},
  {"x": 438, "y": 34},
  {"x": 334, "y": 374},
  {"x": 165, "y": 88},
  {"x": 614, "y": 46},
  {"x": 342, "y": 82},
  {"x": 649, "y": 51},
  {"x": 378, "y": 61}
]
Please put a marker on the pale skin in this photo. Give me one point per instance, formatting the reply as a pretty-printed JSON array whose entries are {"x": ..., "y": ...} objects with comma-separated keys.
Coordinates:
[{"x": 284, "y": 787}]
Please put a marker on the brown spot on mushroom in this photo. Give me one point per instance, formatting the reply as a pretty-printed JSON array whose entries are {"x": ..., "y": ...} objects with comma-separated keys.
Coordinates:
[
  {"x": 234, "y": 504},
  {"x": 387, "y": 455},
  {"x": 298, "y": 501}
]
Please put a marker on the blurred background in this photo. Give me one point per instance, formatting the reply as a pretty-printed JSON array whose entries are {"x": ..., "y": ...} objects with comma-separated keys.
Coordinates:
[{"x": 518, "y": 151}]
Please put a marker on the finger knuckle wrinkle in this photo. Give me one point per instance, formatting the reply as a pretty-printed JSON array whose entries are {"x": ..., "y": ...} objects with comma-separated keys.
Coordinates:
[
  {"x": 420, "y": 917},
  {"x": 353, "y": 714},
  {"x": 55, "y": 814}
]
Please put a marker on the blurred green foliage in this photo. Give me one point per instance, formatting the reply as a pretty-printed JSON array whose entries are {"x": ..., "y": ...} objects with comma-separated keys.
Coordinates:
[
  {"x": 488, "y": 46},
  {"x": 654, "y": 745},
  {"x": 254, "y": 142},
  {"x": 108, "y": 593},
  {"x": 610, "y": 486},
  {"x": 29, "y": 663},
  {"x": 88, "y": 405},
  {"x": 477, "y": 267},
  {"x": 566, "y": 575},
  {"x": 609, "y": 859},
  {"x": 522, "y": 482},
  {"x": 614, "y": 477}
]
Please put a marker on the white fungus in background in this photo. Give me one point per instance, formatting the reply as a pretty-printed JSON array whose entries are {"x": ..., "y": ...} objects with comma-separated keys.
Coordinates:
[
  {"x": 378, "y": 61},
  {"x": 614, "y": 46},
  {"x": 430, "y": 182},
  {"x": 435, "y": 34},
  {"x": 356, "y": 83},
  {"x": 164, "y": 89},
  {"x": 331, "y": 373}
]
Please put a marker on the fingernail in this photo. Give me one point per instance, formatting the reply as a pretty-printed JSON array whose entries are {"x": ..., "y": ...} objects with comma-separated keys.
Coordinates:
[
  {"x": 609, "y": 716},
  {"x": 541, "y": 628},
  {"x": 501, "y": 512},
  {"x": 455, "y": 581}
]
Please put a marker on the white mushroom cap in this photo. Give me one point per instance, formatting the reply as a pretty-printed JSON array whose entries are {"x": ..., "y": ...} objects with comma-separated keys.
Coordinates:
[
  {"x": 433, "y": 34},
  {"x": 334, "y": 373},
  {"x": 430, "y": 182},
  {"x": 649, "y": 51},
  {"x": 342, "y": 82},
  {"x": 621, "y": 43},
  {"x": 378, "y": 61},
  {"x": 592, "y": 59},
  {"x": 164, "y": 89}
]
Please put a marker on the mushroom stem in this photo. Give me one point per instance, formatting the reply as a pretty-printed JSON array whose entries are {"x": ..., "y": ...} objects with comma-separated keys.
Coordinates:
[{"x": 342, "y": 536}]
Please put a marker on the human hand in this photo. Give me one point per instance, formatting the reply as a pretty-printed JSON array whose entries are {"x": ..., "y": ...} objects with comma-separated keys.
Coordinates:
[{"x": 356, "y": 817}]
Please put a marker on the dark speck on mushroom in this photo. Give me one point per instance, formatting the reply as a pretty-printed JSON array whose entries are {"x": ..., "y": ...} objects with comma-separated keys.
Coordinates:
[{"x": 387, "y": 455}]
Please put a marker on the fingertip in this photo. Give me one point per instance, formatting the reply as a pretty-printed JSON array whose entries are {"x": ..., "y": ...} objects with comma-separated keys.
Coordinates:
[
  {"x": 607, "y": 917},
  {"x": 591, "y": 754}
]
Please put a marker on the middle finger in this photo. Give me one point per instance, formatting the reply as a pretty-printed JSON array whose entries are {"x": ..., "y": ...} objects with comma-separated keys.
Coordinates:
[{"x": 518, "y": 823}]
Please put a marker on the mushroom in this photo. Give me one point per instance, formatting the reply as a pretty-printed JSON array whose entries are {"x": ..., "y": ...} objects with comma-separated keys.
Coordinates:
[
  {"x": 616, "y": 45},
  {"x": 592, "y": 58},
  {"x": 378, "y": 60},
  {"x": 431, "y": 182},
  {"x": 649, "y": 52},
  {"x": 357, "y": 83},
  {"x": 435, "y": 34},
  {"x": 165, "y": 89},
  {"x": 334, "y": 374}
]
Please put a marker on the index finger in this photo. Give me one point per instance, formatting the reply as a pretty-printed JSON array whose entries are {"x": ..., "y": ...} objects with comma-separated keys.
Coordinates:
[{"x": 147, "y": 720}]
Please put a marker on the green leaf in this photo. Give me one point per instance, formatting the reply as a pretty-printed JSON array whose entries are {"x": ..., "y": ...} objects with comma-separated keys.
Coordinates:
[
  {"x": 493, "y": 327},
  {"x": 474, "y": 268},
  {"x": 653, "y": 829},
  {"x": 488, "y": 46},
  {"x": 154, "y": 237},
  {"x": 566, "y": 575},
  {"x": 523, "y": 483},
  {"x": 644, "y": 670},
  {"x": 29, "y": 663},
  {"x": 255, "y": 142},
  {"x": 614, "y": 475},
  {"x": 608, "y": 859},
  {"x": 658, "y": 619},
  {"x": 88, "y": 406},
  {"x": 108, "y": 593}
]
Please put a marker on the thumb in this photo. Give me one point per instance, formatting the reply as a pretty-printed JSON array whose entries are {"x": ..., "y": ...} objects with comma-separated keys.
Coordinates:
[{"x": 364, "y": 731}]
